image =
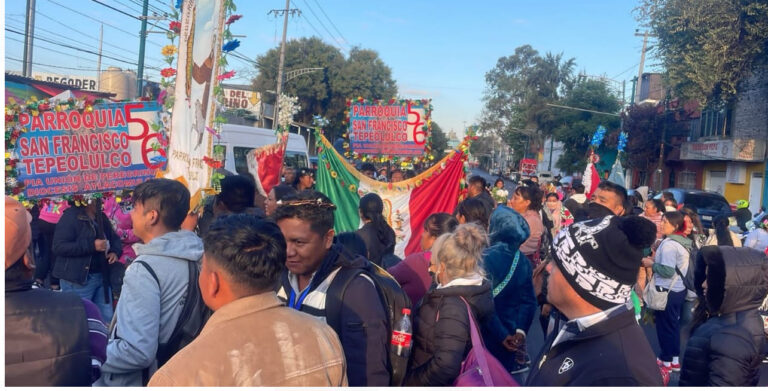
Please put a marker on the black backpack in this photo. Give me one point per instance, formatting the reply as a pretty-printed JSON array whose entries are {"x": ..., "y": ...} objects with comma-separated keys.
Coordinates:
[
  {"x": 194, "y": 315},
  {"x": 393, "y": 298}
]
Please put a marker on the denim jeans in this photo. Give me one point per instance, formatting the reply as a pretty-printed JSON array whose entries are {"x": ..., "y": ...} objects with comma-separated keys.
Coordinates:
[{"x": 93, "y": 290}]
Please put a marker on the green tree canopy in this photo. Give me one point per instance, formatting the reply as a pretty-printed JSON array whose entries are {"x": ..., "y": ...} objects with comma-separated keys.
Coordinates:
[
  {"x": 439, "y": 141},
  {"x": 575, "y": 128},
  {"x": 363, "y": 73},
  {"x": 518, "y": 89},
  {"x": 707, "y": 46}
]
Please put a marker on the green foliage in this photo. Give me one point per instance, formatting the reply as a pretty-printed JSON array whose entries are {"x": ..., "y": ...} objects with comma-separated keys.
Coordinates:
[
  {"x": 439, "y": 141},
  {"x": 708, "y": 46},
  {"x": 518, "y": 90},
  {"x": 325, "y": 92},
  {"x": 575, "y": 128}
]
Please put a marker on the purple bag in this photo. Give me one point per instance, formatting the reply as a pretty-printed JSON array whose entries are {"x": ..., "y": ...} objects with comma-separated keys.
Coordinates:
[{"x": 480, "y": 368}]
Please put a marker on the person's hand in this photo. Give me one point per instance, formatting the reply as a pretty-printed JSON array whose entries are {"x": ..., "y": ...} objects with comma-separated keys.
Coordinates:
[
  {"x": 514, "y": 342},
  {"x": 111, "y": 258},
  {"x": 100, "y": 244},
  {"x": 190, "y": 222},
  {"x": 647, "y": 262},
  {"x": 546, "y": 309}
]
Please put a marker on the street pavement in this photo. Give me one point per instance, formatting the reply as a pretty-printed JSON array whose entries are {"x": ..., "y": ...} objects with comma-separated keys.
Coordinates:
[{"x": 535, "y": 336}]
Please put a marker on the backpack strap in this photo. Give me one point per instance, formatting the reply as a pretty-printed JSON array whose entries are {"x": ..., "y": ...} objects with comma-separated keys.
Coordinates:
[
  {"x": 335, "y": 295},
  {"x": 150, "y": 270}
]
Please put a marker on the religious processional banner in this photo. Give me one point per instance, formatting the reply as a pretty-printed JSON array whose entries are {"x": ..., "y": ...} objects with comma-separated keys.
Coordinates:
[
  {"x": 265, "y": 164},
  {"x": 62, "y": 149},
  {"x": 200, "y": 41},
  {"x": 407, "y": 204}
]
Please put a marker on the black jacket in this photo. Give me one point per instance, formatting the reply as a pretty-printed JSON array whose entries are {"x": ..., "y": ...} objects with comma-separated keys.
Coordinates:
[
  {"x": 614, "y": 352},
  {"x": 73, "y": 244},
  {"x": 441, "y": 344},
  {"x": 363, "y": 321},
  {"x": 488, "y": 201},
  {"x": 378, "y": 243},
  {"x": 46, "y": 338},
  {"x": 726, "y": 349}
]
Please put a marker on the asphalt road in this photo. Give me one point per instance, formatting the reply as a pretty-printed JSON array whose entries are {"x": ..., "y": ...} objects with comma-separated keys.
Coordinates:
[{"x": 535, "y": 339}]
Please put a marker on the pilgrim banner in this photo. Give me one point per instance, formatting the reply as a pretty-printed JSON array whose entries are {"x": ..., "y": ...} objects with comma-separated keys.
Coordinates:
[
  {"x": 407, "y": 204},
  {"x": 200, "y": 41},
  {"x": 394, "y": 128},
  {"x": 101, "y": 148},
  {"x": 265, "y": 164}
]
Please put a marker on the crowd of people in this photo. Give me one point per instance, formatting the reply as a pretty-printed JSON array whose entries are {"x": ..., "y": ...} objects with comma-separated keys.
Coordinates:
[{"x": 262, "y": 291}]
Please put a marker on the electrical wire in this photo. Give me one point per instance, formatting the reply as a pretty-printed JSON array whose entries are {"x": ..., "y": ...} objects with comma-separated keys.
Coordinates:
[
  {"x": 306, "y": 3},
  {"x": 319, "y": 35},
  {"x": 331, "y": 21}
]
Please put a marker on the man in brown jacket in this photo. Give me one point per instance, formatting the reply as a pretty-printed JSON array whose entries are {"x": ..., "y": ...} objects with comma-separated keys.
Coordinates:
[{"x": 252, "y": 339}]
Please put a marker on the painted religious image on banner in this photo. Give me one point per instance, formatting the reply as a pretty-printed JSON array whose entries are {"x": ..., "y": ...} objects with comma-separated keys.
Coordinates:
[
  {"x": 194, "y": 108},
  {"x": 111, "y": 147},
  {"x": 393, "y": 128}
]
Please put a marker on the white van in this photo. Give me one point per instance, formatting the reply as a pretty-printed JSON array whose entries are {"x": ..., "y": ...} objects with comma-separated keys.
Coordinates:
[{"x": 237, "y": 140}]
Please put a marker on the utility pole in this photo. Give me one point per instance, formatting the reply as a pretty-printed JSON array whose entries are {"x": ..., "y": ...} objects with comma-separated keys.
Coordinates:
[
  {"x": 29, "y": 37},
  {"x": 98, "y": 63},
  {"x": 645, "y": 36},
  {"x": 284, "y": 12},
  {"x": 142, "y": 47},
  {"x": 659, "y": 169}
]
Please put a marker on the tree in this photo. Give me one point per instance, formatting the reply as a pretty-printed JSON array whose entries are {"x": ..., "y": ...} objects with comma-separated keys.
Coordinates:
[
  {"x": 325, "y": 93},
  {"x": 518, "y": 89},
  {"x": 707, "y": 46},
  {"x": 439, "y": 141},
  {"x": 575, "y": 128}
]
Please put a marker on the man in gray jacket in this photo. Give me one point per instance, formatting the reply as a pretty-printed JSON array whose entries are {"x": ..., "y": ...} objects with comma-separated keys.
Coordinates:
[{"x": 147, "y": 311}]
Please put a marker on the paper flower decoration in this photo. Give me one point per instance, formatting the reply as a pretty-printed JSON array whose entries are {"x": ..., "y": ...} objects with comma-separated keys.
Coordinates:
[
  {"x": 226, "y": 75},
  {"x": 161, "y": 97},
  {"x": 233, "y": 19},
  {"x": 597, "y": 138},
  {"x": 175, "y": 26},
  {"x": 231, "y": 45},
  {"x": 623, "y": 137},
  {"x": 168, "y": 50},
  {"x": 178, "y": 3},
  {"x": 167, "y": 72}
]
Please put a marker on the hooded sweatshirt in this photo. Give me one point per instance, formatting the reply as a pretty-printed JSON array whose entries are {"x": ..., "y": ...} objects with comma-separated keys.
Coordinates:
[{"x": 147, "y": 313}]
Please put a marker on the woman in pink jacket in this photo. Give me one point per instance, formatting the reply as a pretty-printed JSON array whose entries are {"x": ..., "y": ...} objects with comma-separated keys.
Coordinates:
[{"x": 119, "y": 214}]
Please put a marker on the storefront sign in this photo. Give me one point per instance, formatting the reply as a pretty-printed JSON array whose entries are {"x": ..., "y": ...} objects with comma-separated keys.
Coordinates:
[
  {"x": 243, "y": 100},
  {"x": 747, "y": 150},
  {"x": 103, "y": 148},
  {"x": 394, "y": 128},
  {"x": 86, "y": 83}
]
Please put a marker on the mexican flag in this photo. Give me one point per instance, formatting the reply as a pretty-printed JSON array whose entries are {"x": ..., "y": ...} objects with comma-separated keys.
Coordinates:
[{"x": 407, "y": 204}]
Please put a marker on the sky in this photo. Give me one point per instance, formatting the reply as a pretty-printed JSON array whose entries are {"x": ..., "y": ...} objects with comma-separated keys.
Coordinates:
[{"x": 436, "y": 49}]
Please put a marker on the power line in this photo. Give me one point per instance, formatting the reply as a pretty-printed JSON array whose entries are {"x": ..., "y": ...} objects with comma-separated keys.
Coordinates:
[
  {"x": 319, "y": 35},
  {"x": 60, "y": 52},
  {"x": 306, "y": 3},
  {"x": 54, "y": 66},
  {"x": 129, "y": 15},
  {"x": 55, "y": 35},
  {"x": 101, "y": 21},
  {"x": 331, "y": 21},
  {"x": 72, "y": 47}
]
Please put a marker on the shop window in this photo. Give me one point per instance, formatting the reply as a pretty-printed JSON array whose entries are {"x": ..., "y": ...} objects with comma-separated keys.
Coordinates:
[{"x": 687, "y": 180}]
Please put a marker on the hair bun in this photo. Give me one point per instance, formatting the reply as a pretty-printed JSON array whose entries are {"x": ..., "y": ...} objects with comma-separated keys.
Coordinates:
[{"x": 471, "y": 237}]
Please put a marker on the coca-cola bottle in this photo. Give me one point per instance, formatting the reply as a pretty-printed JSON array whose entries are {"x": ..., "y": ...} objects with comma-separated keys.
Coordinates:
[{"x": 401, "y": 335}]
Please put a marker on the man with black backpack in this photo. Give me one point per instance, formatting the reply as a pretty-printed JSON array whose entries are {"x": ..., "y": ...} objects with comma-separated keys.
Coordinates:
[
  {"x": 316, "y": 268},
  {"x": 157, "y": 286}
]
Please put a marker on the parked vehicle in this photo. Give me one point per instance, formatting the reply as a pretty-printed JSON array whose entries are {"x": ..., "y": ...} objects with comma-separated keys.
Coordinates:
[
  {"x": 237, "y": 140},
  {"x": 706, "y": 203}
]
